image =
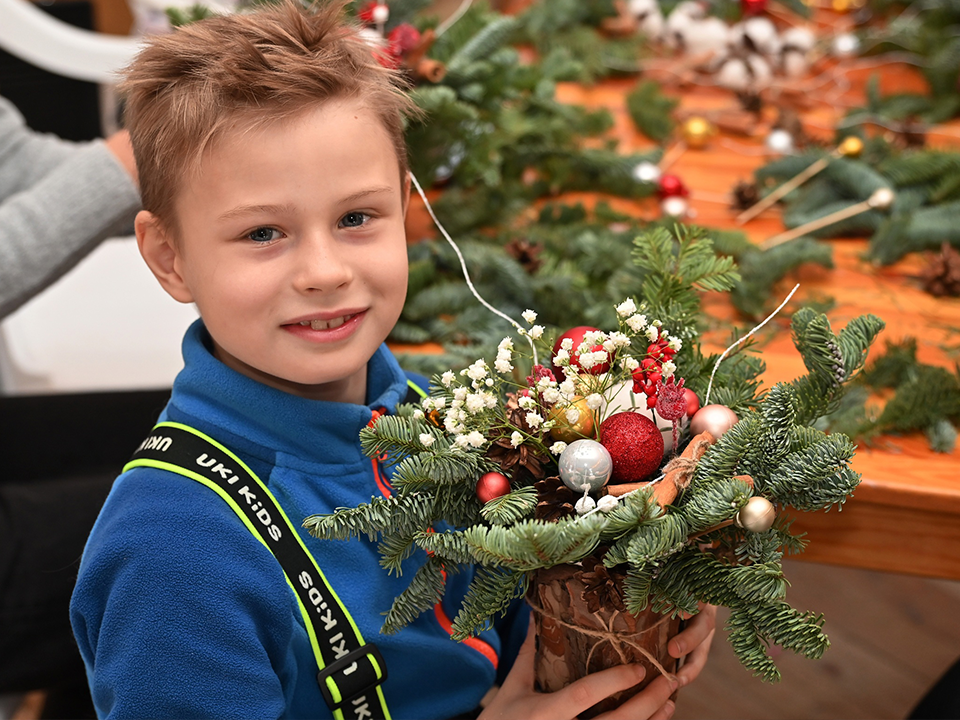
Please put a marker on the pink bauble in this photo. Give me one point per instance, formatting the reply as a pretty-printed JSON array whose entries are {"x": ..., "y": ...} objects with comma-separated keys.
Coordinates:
[
  {"x": 635, "y": 445},
  {"x": 492, "y": 485},
  {"x": 714, "y": 419}
]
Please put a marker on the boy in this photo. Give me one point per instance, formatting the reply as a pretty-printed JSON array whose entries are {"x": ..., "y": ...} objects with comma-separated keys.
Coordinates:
[{"x": 273, "y": 171}]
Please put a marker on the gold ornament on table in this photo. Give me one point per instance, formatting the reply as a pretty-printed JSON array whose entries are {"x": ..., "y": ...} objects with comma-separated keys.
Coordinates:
[
  {"x": 850, "y": 147},
  {"x": 695, "y": 133}
]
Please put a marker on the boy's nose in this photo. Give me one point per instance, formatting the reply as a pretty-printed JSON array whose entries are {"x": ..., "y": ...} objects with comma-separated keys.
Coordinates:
[{"x": 322, "y": 265}]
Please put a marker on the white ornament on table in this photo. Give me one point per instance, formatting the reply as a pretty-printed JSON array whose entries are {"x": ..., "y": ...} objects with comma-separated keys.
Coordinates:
[
  {"x": 675, "y": 206},
  {"x": 845, "y": 45},
  {"x": 646, "y": 172},
  {"x": 780, "y": 142}
]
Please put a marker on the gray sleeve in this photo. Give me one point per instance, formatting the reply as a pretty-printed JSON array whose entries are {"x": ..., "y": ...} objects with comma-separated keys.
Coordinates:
[
  {"x": 27, "y": 156},
  {"x": 47, "y": 228}
]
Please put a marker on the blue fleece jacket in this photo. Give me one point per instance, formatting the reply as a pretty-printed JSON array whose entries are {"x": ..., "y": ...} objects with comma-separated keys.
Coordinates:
[{"x": 180, "y": 613}]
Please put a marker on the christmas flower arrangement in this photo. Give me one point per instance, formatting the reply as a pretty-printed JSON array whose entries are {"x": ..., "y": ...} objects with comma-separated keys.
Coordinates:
[{"x": 583, "y": 475}]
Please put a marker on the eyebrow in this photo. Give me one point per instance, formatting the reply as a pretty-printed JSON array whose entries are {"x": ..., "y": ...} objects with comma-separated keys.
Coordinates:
[{"x": 244, "y": 210}]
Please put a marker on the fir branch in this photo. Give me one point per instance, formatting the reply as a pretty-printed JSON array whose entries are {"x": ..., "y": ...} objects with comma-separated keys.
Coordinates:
[
  {"x": 714, "y": 503},
  {"x": 397, "y": 513},
  {"x": 424, "y": 591},
  {"x": 439, "y": 467},
  {"x": 650, "y": 110},
  {"x": 750, "y": 646},
  {"x": 637, "y": 587},
  {"x": 488, "y": 597},
  {"x": 533, "y": 544},
  {"x": 450, "y": 546},
  {"x": 510, "y": 508},
  {"x": 815, "y": 477},
  {"x": 394, "y": 548}
]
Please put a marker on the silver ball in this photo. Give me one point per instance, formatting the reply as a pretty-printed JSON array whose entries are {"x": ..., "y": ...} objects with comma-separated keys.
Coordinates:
[
  {"x": 780, "y": 142},
  {"x": 675, "y": 206},
  {"x": 845, "y": 45},
  {"x": 585, "y": 465},
  {"x": 882, "y": 198},
  {"x": 757, "y": 515},
  {"x": 646, "y": 172}
]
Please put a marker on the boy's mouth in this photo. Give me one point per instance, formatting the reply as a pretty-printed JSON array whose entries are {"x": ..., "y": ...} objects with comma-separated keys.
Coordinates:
[{"x": 330, "y": 324}]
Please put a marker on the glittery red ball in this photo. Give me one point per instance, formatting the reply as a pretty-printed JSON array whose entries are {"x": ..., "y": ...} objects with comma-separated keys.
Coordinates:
[
  {"x": 492, "y": 485},
  {"x": 753, "y": 7},
  {"x": 635, "y": 445},
  {"x": 671, "y": 186},
  {"x": 576, "y": 335}
]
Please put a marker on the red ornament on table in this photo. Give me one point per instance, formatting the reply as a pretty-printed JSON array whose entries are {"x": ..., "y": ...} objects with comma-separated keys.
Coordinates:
[
  {"x": 576, "y": 335},
  {"x": 635, "y": 445},
  {"x": 753, "y": 7},
  {"x": 671, "y": 186},
  {"x": 492, "y": 485}
]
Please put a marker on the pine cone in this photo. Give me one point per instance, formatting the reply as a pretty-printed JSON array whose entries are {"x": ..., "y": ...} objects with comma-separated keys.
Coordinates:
[
  {"x": 521, "y": 463},
  {"x": 745, "y": 195},
  {"x": 526, "y": 253},
  {"x": 554, "y": 500},
  {"x": 603, "y": 587},
  {"x": 941, "y": 276}
]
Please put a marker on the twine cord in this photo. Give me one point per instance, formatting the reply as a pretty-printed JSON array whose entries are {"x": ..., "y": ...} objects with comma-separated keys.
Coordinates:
[
  {"x": 706, "y": 399},
  {"x": 616, "y": 640},
  {"x": 463, "y": 268}
]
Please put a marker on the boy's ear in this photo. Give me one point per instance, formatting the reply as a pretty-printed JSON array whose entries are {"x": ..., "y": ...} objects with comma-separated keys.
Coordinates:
[{"x": 161, "y": 255}]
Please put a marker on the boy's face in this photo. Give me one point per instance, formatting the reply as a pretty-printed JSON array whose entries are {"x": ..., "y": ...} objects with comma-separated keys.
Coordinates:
[{"x": 292, "y": 246}]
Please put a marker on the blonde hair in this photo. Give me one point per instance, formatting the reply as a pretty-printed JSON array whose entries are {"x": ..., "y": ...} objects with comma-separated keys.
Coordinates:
[{"x": 185, "y": 90}]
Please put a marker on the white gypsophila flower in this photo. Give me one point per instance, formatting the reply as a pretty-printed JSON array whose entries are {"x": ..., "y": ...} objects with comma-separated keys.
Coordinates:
[
  {"x": 566, "y": 344},
  {"x": 568, "y": 387},
  {"x": 447, "y": 378},
  {"x": 488, "y": 382},
  {"x": 551, "y": 395},
  {"x": 558, "y": 447},
  {"x": 533, "y": 419},
  {"x": 594, "y": 401},
  {"x": 636, "y": 322},
  {"x": 561, "y": 358},
  {"x": 675, "y": 343},
  {"x": 426, "y": 439},
  {"x": 506, "y": 345},
  {"x": 452, "y": 425},
  {"x": 571, "y": 372},
  {"x": 652, "y": 333},
  {"x": 627, "y": 307},
  {"x": 462, "y": 441},
  {"x": 478, "y": 370},
  {"x": 490, "y": 400},
  {"x": 526, "y": 402},
  {"x": 529, "y": 316},
  {"x": 516, "y": 438},
  {"x": 536, "y": 332},
  {"x": 474, "y": 403},
  {"x": 619, "y": 340},
  {"x": 418, "y": 414},
  {"x": 460, "y": 393},
  {"x": 572, "y": 414},
  {"x": 427, "y": 403},
  {"x": 544, "y": 383},
  {"x": 475, "y": 438},
  {"x": 629, "y": 364},
  {"x": 588, "y": 360},
  {"x": 502, "y": 366},
  {"x": 668, "y": 369},
  {"x": 439, "y": 403},
  {"x": 594, "y": 337}
]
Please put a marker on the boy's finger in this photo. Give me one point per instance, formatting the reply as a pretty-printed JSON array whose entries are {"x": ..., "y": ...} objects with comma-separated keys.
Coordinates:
[
  {"x": 521, "y": 675},
  {"x": 588, "y": 691},
  {"x": 695, "y": 633},
  {"x": 651, "y": 702},
  {"x": 695, "y": 661}
]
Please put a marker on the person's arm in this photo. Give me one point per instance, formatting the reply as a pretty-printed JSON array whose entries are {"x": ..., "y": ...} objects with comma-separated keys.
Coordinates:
[
  {"x": 49, "y": 227},
  {"x": 27, "y": 156}
]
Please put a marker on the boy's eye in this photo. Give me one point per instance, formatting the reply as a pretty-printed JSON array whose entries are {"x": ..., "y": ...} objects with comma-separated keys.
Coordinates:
[
  {"x": 354, "y": 219},
  {"x": 264, "y": 234}
]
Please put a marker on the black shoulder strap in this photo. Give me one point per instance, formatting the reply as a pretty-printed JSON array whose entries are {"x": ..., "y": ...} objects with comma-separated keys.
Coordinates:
[{"x": 351, "y": 670}]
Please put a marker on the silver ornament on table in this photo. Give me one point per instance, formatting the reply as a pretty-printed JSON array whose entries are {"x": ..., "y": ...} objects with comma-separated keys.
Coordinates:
[
  {"x": 585, "y": 465},
  {"x": 845, "y": 45},
  {"x": 714, "y": 419},
  {"x": 757, "y": 515},
  {"x": 780, "y": 141}
]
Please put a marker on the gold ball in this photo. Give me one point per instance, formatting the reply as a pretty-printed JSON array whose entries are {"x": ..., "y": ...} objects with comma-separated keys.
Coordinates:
[
  {"x": 714, "y": 419},
  {"x": 566, "y": 431},
  {"x": 697, "y": 132},
  {"x": 757, "y": 515},
  {"x": 841, "y": 5},
  {"x": 851, "y": 146}
]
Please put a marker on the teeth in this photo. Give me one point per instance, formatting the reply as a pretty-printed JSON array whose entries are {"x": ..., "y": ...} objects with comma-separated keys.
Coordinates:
[
  {"x": 304, "y": 322},
  {"x": 327, "y": 324}
]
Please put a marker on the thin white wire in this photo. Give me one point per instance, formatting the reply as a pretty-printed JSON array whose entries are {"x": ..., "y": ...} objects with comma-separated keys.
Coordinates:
[
  {"x": 622, "y": 497},
  {"x": 706, "y": 399},
  {"x": 458, "y": 13},
  {"x": 466, "y": 274}
]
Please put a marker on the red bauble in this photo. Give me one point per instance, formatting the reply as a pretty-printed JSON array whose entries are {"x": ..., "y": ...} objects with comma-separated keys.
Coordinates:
[
  {"x": 492, "y": 485},
  {"x": 576, "y": 335},
  {"x": 671, "y": 186},
  {"x": 693, "y": 402},
  {"x": 403, "y": 38},
  {"x": 753, "y": 7},
  {"x": 635, "y": 444}
]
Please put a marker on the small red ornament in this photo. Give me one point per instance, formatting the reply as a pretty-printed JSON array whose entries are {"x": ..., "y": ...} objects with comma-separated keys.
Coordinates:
[
  {"x": 693, "y": 402},
  {"x": 403, "y": 38},
  {"x": 671, "y": 186},
  {"x": 753, "y": 7},
  {"x": 576, "y": 335},
  {"x": 635, "y": 444},
  {"x": 492, "y": 485}
]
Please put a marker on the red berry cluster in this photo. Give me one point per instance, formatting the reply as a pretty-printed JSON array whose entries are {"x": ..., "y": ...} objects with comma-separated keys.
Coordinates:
[
  {"x": 650, "y": 373},
  {"x": 367, "y": 11}
]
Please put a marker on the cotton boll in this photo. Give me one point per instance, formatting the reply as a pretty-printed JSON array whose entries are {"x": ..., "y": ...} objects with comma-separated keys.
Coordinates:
[
  {"x": 706, "y": 36},
  {"x": 679, "y": 21},
  {"x": 760, "y": 70},
  {"x": 762, "y": 35},
  {"x": 798, "y": 38},
  {"x": 648, "y": 14},
  {"x": 794, "y": 63},
  {"x": 734, "y": 75}
]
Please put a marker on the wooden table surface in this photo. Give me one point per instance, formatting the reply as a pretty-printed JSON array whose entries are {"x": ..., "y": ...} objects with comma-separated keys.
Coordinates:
[{"x": 905, "y": 516}]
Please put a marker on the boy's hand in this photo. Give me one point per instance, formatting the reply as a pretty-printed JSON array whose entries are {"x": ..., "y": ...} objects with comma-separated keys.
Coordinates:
[{"x": 518, "y": 700}]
